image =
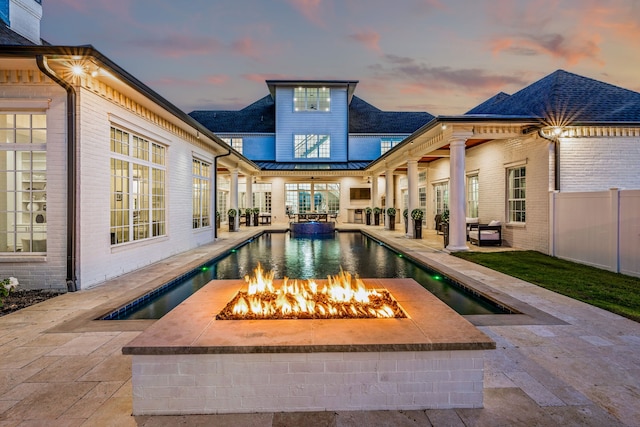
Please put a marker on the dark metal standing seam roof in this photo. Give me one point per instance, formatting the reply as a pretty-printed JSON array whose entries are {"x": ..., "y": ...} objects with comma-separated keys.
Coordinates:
[{"x": 563, "y": 97}]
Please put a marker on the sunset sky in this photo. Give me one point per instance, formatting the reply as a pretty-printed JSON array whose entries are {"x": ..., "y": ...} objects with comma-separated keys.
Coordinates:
[{"x": 439, "y": 56}]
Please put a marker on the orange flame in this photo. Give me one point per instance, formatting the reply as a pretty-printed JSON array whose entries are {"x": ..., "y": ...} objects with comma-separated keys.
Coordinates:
[{"x": 343, "y": 296}]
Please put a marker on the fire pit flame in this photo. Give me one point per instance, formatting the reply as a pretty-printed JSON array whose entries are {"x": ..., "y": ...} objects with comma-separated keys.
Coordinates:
[{"x": 343, "y": 296}]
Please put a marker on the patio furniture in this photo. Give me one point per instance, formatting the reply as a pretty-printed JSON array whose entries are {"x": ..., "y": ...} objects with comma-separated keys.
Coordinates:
[{"x": 486, "y": 234}]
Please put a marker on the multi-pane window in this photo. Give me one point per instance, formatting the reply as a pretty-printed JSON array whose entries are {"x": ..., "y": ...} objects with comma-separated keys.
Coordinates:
[
  {"x": 312, "y": 146},
  {"x": 138, "y": 183},
  {"x": 23, "y": 182},
  {"x": 262, "y": 197},
  {"x": 235, "y": 143},
  {"x": 516, "y": 189},
  {"x": 311, "y": 99},
  {"x": 387, "y": 144},
  {"x": 422, "y": 201},
  {"x": 223, "y": 184},
  {"x": 473, "y": 193},
  {"x": 316, "y": 197},
  {"x": 201, "y": 193},
  {"x": 441, "y": 197}
]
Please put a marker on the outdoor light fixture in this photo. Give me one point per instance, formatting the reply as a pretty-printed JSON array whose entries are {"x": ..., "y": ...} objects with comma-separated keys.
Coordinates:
[{"x": 77, "y": 70}]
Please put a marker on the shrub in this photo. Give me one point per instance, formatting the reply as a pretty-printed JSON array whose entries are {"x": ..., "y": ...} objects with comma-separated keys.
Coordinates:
[
  {"x": 233, "y": 212},
  {"x": 417, "y": 214},
  {"x": 7, "y": 286},
  {"x": 376, "y": 210},
  {"x": 391, "y": 211}
]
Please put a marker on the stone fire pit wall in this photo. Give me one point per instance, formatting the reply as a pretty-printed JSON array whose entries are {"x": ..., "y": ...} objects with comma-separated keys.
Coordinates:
[{"x": 190, "y": 363}]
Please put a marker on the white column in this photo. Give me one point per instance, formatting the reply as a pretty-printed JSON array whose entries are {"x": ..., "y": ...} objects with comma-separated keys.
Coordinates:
[
  {"x": 233, "y": 195},
  {"x": 457, "y": 199},
  {"x": 249, "y": 192},
  {"x": 412, "y": 192},
  {"x": 375, "y": 200},
  {"x": 389, "y": 193}
]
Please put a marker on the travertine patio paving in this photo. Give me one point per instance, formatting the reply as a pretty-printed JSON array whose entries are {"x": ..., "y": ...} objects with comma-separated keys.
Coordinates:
[{"x": 561, "y": 363}]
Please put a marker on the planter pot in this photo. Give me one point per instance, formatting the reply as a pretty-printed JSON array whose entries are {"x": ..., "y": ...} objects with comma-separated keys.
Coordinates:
[
  {"x": 376, "y": 219},
  {"x": 417, "y": 228},
  {"x": 445, "y": 232},
  {"x": 217, "y": 222},
  {"x": 392, "y": 222},
  {"x": 247, "y": 220},
  {"x": 232, "y": 223},
  {"x": 255, "y": 219},
  {"x": 368, "y": 218},
  {"x": 406, "y": 226}
]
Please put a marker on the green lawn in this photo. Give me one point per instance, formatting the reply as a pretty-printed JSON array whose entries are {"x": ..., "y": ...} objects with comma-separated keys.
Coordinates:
[{"x": 614, "y": 292}]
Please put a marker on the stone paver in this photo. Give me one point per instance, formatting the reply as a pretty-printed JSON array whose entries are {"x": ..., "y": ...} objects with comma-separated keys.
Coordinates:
[{"x": 566, "y": 363}]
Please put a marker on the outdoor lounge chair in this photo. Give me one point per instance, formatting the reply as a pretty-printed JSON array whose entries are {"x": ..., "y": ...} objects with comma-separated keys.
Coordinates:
[{"x": 486, "y": 234}]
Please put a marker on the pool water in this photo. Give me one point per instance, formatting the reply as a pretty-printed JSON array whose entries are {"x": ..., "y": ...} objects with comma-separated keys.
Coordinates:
[{"x": 305, "y": 258}]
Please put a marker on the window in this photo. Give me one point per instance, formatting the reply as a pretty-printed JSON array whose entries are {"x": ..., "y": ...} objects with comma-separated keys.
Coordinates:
[
  {"x": 387, "y": 144},
  {"x": 235, "y": 143},
  {"x": 316, "y": 197},
  {"x": 472, "y": 196},
  {"x": 23, "y": 182},
  {"x": 311, "y": 99},
  {"x": 312, "y": 146},
  {"x": 516, "y": 188},
  {"x": 262, "y": 197},
  {"x": 138, "y": 206},
  {"x": 422, "y": 201},
  {"x": 201, "y": 193},
  {"x": 224, "y": 184}
]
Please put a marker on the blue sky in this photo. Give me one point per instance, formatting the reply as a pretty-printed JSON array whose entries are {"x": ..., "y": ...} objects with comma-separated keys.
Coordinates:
[{"x": 443, "y": 57}]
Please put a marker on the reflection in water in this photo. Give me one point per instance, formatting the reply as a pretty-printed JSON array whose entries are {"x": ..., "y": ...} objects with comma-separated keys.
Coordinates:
[{"x": 304, "y": 258}]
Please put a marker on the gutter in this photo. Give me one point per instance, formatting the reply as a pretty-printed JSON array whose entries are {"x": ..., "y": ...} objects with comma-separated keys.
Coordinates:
[
  {"x": 72, "y": 280},
  {"x": 556, "y": 159}
]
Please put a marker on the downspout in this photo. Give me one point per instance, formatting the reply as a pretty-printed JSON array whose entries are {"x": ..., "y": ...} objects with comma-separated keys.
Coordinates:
[
  {"x": 556, "y": 159},
  {"x": 72, "y": 284},
  {"x": 215, "y": 191}
]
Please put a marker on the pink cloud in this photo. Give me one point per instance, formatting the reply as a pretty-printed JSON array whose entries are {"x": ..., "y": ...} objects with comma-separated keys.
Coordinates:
[
  {"x": 310, "y": 9},
  {"x": 369, "y": 38},
  {"x": 260, "y": 78},
  {"x": 217, "y": 79},
  {"x": 246, "y": 46},
  {"x": 179, "y": 45}
]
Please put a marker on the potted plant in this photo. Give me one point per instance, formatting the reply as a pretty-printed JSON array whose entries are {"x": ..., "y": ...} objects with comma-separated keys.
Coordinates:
[
  {"x": 405, "y": 215},
  {"x": 417, "y": 216},
  {"x": 445, "y": 227},
  {"x": 367, "y": 214},
  {"x": 217, "y": 219},
  {"x": 256, "y": 214},
  {"x": 392, "y": 218},
  {"x": 231, "y": 213},
  {"x": 376, "y": 215},
  {"x": 247, "y": 216}
]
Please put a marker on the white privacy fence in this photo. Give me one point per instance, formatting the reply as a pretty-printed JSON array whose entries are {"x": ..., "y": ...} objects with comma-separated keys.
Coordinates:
[{"x": 599, "y": 228}]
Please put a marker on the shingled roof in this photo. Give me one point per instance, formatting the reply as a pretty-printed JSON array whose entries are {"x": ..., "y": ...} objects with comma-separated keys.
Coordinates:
[
  {"x": 365, "y": 118},
  {"x": 259, "y": 117},
  {"x": 563, "y": 97},
  {"x": 11, "y": 38}
]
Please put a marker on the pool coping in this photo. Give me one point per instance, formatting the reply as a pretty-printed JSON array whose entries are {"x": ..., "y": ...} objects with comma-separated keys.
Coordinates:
[{"x": 88, "y": 319}]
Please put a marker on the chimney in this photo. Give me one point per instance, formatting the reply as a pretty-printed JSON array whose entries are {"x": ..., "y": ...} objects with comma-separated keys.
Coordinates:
[{"x": 23, "y": 17}]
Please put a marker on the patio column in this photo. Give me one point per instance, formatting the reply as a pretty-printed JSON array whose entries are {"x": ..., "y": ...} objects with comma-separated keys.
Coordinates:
[
  {"x": 457, "y": 199},
  {"x": 248, "y": 203},
  {"x": 374, "y": 191},
  {"x": 389, "y": 193},
  {"x": 233, "y": 195},
  {"x": 412, "y": 192}
]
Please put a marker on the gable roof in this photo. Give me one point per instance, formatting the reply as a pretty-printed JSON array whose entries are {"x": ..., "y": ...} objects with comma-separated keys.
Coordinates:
[
  {"x": 260, "y": 117},
  {"x": 563, "y": 97},
  {"x": 11, "y": 38},
  {"x": 365, "y": 118}
]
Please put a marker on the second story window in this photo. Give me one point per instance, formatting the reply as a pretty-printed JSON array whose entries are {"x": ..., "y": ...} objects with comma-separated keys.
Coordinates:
[
  {"x": 235, "y": 143},
  {"x": 387, "y": 144},
  {"x": 311, "y": 99},
  {"x": 312, "y": 146}
]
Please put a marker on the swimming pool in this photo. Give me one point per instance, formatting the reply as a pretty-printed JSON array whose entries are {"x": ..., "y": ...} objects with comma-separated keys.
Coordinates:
[{"x": 303, "y": 258}]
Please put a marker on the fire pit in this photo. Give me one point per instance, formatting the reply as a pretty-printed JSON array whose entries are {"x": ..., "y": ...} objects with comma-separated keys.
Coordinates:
[
  {"x": 191, "y": 362},
  {"x": 343, "y": 297}
]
